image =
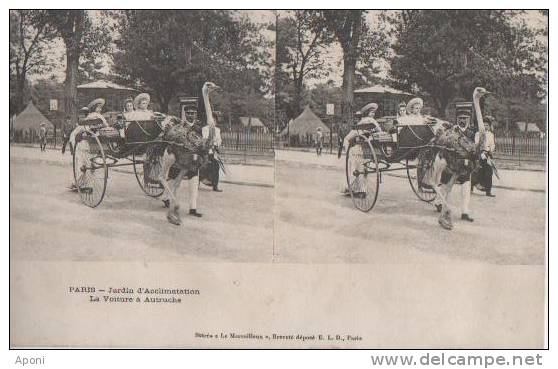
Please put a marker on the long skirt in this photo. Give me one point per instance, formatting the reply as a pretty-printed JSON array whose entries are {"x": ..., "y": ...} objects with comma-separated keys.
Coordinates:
[{"x": 482, "y": 178}]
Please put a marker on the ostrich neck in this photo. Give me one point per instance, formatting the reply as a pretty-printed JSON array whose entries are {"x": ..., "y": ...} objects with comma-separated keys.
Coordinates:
[
  {"x": 478, "y": 114},
  {"x": 208, "y": 111}
]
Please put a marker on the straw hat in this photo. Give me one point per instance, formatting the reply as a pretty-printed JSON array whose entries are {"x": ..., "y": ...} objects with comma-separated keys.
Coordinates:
[
  {"x": 93, "y": 104},
  {"x": 141, "y": 97},
  {"x": 372, "y": 107},
  {"x": 413, "y": 102}
]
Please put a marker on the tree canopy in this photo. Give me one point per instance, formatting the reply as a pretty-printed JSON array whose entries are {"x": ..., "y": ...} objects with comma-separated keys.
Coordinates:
[
  {"x": 447, "y": 53},
  {"x": 30, "y": 36},
  {"x": 169, "y": 52},
  {"x": 301, "y": 40}
]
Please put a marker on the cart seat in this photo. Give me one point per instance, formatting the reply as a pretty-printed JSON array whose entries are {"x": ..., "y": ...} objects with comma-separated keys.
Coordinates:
[
  {"x": 414, "y": 136},
  {"x": 138, "y": 131}
]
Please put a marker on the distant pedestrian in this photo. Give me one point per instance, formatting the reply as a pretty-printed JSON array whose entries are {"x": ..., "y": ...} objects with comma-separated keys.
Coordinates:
[
  {"x": 319, "y": 141},
  {"x": 42, "y": 136}
]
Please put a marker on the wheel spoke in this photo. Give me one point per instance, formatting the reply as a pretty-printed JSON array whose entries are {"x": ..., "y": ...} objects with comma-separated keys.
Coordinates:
[
  {"x": 416, "y": 172},
  {"x": 362, "y": 175},
  {"x": 90, "y": 171}
]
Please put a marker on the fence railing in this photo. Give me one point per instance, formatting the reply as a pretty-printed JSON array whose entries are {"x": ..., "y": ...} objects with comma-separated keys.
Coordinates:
[
  {"x": 248, "y": 141},
  {"x": 530, "y": 148},
  {"x": 33, "y": 138}
]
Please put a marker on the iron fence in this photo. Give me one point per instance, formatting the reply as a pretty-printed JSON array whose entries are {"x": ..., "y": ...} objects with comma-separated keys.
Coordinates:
[
  {"x": 248, "y": 141},
  {"x": 529, "y": 148}
]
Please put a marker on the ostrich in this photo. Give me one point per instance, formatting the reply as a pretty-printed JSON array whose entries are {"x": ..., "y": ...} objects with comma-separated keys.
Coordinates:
[
  {"x": 187, "y": 152},
  {"x": 458, "y": 156}
]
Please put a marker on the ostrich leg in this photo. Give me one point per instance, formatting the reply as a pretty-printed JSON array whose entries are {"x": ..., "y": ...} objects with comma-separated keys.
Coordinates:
[
  {"x": 173, "y": 215},
  {"x": 445, "y": 217},
  {"x": 166, "y": 163},
  {"x": 433, "y": 178}
]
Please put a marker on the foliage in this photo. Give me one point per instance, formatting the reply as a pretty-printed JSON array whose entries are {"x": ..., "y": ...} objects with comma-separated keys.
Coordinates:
[
  {"x": 447, "y": 53},
  {"x": 30, "y": 37},
  {"x": 301, "y": 41},
  {"x": 362, "y": 43},
  {"x": 169, "y": 52},
  {"x": 85, "y": 41}
]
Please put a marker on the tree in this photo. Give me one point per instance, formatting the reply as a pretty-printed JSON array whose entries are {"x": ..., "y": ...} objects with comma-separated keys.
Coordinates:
[
  {"x": 446, "y": 53},
  {"x": 84, "y": 40},
  {"x": 30, "y": 35},
  {"x": 322, "y": 94},
  {"x": 169, "y": 52},
  {"x": 347, "y": 27},
  {"x": 301, "y": 40},
  {"x": 360, "y": 42}
]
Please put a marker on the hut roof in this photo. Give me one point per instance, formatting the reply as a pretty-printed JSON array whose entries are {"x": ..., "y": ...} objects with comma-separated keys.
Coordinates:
[
  {"x": 251, "y": 122},
  {"x": 531, "y": 127},
  {"x": 30, "y": 118},
  {"x": 307, "y": 122}
]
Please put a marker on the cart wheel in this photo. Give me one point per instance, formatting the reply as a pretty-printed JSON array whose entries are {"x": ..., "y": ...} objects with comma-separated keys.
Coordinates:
[
  {"x": 147, "y": 171},
  {"x": 363, "y": 175},
  {"x": 423, "y": 192},
  {"x": 90, "y": 170}
]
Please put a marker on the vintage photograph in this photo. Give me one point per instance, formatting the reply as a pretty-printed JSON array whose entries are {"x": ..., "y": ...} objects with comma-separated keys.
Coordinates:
[
  {"x": 151, "y": 146},
  {"x": 322, "y": 173}
]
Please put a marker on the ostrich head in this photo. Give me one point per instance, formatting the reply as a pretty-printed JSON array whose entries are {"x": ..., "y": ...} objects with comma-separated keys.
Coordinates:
[
  {"x": 210, "y": 86},
  {"x": 480, "y": 92}
]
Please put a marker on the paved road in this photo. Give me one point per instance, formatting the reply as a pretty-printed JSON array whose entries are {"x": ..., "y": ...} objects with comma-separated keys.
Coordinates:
[
  {"x": 303, "y": 219},
  {"x": 315, "y": 223},
  {"x": 47, "y": 222}
]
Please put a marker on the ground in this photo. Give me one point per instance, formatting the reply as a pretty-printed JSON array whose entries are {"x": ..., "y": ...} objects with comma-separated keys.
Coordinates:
[
  {"x": 48, "y": 222},
  {"x": 315, "y": 223},
  {"x": 300, "y": 219}
]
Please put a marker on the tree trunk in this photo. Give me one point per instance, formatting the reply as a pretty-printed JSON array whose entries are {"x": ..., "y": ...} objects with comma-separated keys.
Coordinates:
[
  {"x": 20, "y": 93},
  {"x": 164, "y": 100},
  {"x": 349, "y": 66},
  {"x": 443, "y": 103},
  {"x": 71, "y": 101},
  {"x": 298, "y": 95},
  {"x": 164, "y": 105}
]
